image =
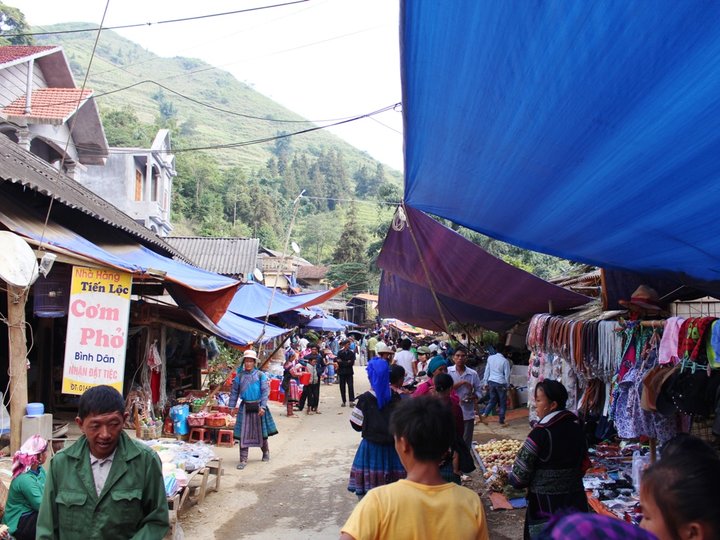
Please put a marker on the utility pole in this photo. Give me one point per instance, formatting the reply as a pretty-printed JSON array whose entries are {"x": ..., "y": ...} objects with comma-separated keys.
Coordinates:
[{"x": 17, "y": 296}]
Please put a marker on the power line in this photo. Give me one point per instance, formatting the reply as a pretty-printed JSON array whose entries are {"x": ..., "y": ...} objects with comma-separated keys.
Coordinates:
[
  {"x": 167, "y": 21},
  {"x": 285, "y": 135},
  {"x": 207, "y": 42},
  {"x": 391, "y": 203},
  {"x": 213, "y": 107}
]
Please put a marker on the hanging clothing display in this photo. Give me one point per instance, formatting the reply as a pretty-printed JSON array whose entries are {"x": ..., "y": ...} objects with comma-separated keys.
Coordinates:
[{"x": 648, "y": 379}]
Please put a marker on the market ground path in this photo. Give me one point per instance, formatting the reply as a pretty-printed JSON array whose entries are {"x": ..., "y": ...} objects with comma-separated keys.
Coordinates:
[{"x": 302, "y": 492}]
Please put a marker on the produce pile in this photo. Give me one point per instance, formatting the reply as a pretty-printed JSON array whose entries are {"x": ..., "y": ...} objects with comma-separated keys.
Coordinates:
[
  {"x": 501, "y": 453},
  {"x": 498, "y": 457}
]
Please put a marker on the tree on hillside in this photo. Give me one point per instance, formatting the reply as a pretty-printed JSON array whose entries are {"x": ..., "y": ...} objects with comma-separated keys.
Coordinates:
[
  {"x": 355, "y": 274},
  {"x": 124, "y": 129},
  {"x": 282, "y": 151},
  {"x": 336, "y": 176},
  {"x": 12, "y": 21},
  {"x": 353, "y": 240},
  {"x": 319, "y": 234},
  {"x": 368, "y": 182}
]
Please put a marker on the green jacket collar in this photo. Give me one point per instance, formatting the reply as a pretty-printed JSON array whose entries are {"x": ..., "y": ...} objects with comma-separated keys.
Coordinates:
[{"x": 80, "y": 453}]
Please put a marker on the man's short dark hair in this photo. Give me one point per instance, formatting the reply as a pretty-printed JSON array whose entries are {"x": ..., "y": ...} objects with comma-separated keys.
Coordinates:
[
  {"x": 405, "y": 344},
  {"x": 397, "y": 374},
  {"x": 102, "y": 399},
  {"x": 427, "y": 424}
]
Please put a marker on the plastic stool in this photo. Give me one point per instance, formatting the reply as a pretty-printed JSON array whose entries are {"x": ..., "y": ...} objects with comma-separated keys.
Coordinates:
[
  {"x": 225, "y": 438},
  {"x": 198, "y": 434}
]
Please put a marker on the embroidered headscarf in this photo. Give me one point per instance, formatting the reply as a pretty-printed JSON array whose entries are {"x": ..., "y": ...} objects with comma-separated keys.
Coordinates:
[
  {"x": 378, "y": 371},
  {"x": 27, "y": 457}
]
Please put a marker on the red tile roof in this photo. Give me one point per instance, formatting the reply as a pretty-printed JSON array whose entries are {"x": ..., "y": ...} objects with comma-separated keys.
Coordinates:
[
  {"x": 10, "y": 53},
  {"x": 49, "y": 104}
]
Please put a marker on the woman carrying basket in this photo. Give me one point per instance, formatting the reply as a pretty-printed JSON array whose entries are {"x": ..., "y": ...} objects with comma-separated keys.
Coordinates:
[{"x": 254, "y": 422}]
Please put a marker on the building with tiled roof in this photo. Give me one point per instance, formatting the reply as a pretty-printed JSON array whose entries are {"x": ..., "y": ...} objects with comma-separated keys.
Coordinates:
[
  {"x": 39, "y": 101},
  {"x": 47, "y": 105},
  {"x": 12, "y": 54},
  {"x": 311, "y": 276}
]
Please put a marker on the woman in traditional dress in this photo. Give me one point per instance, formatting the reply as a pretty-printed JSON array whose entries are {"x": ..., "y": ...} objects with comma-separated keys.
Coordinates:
[
  {"x": 376, "y": 462},
  {"x": 254, "y": 422},
  {"x": 552, "y": 461},
  {"x": 26, "y": 489},
  {"x": 292, "y": 369}
]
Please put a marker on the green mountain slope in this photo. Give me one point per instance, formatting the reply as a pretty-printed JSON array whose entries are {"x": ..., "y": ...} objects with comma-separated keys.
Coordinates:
[{"x": 119, "y": 63}]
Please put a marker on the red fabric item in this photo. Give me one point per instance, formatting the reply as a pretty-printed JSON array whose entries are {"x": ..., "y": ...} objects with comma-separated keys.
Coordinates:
[
  {"x": 155, "y": 385},
  {"x": 691, "y": 340}
]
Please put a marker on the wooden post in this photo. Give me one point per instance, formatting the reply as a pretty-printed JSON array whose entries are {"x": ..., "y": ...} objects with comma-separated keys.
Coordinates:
[
  {"x": 653, "y": 450},
  {"x": 17, "y": 362}
]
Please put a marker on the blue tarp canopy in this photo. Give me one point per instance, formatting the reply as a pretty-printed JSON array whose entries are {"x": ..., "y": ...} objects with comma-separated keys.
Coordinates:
[
  {"x": 231, "y": 327},
  {"x": 253, "y": 299},
  {"x": 587, "y": 130},
  {"x": 326, "y": 324},
  {"x": 209, "y": 291}
]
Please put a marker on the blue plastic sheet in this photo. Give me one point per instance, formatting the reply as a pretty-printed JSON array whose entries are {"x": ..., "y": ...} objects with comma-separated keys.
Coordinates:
[{"x": 587, "y": 130}]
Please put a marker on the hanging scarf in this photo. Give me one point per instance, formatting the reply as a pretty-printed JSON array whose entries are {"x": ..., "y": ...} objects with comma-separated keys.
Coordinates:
[
  {"x": 378, "y": 371},
  {"x": 27, "y": 457}
]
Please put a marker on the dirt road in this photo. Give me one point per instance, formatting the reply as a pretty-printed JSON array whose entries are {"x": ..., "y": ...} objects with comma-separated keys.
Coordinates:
[{"x": 300, "y": 494}]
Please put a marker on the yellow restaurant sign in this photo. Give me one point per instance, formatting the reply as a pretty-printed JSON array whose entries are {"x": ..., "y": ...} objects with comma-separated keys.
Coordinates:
[{"x": 97, "y": 329}]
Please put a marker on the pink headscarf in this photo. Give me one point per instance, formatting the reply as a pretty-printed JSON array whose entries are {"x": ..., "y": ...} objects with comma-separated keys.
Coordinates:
[{"x": 27, "y": 457}]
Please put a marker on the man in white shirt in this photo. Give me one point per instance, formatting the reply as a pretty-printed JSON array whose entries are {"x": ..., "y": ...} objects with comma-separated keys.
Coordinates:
[
  {"x": 406, "y": 359},
  {"x": 467, "y": 387},
  {"x": 496, "y": 378}
]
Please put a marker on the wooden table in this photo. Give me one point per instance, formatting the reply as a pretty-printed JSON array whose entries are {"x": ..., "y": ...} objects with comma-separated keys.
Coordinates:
[{"x": 198, "y": 486}]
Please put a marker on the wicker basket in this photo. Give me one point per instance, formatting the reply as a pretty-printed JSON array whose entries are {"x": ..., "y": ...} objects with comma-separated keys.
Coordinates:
[
  {"x": 215, "y": 420},
  {"x": 196, "y": 420}
]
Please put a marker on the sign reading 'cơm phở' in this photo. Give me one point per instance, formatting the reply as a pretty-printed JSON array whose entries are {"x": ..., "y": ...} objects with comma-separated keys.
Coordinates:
[{"x": 97, "y": 329}]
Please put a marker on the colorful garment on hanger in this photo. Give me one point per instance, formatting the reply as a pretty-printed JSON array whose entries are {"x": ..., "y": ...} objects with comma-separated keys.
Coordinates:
[
  {"x": 668, "y": 352},
  {"x": 691, "y": 345}
]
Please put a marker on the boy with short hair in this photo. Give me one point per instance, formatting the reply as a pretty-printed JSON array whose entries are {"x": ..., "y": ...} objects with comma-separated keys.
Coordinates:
[{"x": 423, "y": 505}]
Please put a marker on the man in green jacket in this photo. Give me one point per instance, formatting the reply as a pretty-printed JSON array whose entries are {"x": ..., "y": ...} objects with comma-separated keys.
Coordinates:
[{"x": 106, "y": 485}]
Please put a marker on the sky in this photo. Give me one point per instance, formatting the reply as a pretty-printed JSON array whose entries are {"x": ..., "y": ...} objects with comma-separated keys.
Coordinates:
[{"x": 321, "y": 58}]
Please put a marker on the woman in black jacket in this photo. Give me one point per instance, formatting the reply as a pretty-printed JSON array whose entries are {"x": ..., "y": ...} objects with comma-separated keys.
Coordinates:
[{"x": 376, "y": 462}]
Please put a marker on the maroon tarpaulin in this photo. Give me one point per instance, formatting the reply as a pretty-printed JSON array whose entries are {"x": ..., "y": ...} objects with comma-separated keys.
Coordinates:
[{"x": 473, "y": 285}]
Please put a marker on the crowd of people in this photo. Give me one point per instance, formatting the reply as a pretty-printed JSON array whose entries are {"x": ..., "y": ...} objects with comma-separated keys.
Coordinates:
[
  {"x": 416, "y": 432},
  {"x": 416, "y": 425}
]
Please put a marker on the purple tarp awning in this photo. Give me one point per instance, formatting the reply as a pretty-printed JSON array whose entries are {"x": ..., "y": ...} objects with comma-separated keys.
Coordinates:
[{"x": 472, "y": 285}]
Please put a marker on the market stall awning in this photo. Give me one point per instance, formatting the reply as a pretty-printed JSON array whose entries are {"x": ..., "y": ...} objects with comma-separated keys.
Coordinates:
[
  {"x": 402, "y": 326},
  {"x": 233, "y": 328},
  {"x": 415, "y": 304},
  {"x": 474, "y": 286},
  {"x": 253, "y": 299},
  {"x": 212, "y": 292},
  {"x": 325, "y": 324},
  {"x": 587, "y": 130}
]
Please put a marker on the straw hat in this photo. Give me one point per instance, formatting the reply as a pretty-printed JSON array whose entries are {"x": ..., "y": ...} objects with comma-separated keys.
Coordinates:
[
  {"x": 250, "y": 354},
  {"x": 644, "y": 297},
  {"x": 383, "y": 348}
]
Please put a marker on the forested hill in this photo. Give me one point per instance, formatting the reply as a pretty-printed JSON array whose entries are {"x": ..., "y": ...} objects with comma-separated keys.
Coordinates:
[{"x": 247, "y": 189}]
